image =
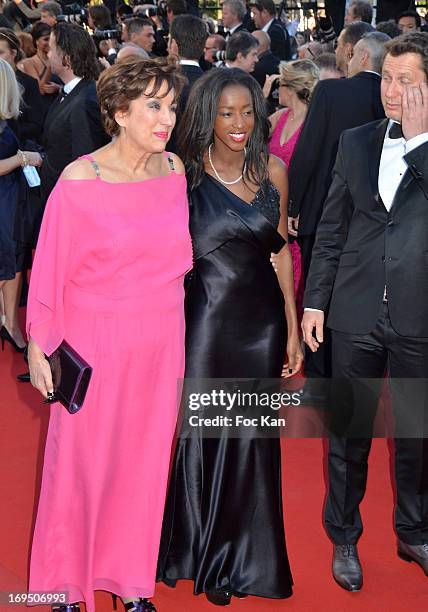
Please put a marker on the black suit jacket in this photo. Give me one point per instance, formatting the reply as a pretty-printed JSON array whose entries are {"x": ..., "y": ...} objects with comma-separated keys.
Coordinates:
[
  {"x": 279, "y": 40},
  {"x": 72, "y": 128},
  {"x": 240, "y": 28},
  {"x": 192, "y": 74},
  {"x": 337, "y": 105},
  {"x": 360, "y": 247},
  {"x": 268, "y": 64}
]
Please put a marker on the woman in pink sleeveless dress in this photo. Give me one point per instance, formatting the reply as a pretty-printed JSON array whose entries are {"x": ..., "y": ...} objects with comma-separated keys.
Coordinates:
[
  {"x": 108, "y": 277},
  {"x": 297, "y": 81}
]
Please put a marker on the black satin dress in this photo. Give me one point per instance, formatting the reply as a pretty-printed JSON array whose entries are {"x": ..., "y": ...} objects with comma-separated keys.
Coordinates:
[{"x": 223, "y": 525}]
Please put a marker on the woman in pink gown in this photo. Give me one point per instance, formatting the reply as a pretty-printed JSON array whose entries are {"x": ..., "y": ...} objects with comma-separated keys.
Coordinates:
[
  {"x": 297, "y": 81},
  {"x": 108, "y": 277}
]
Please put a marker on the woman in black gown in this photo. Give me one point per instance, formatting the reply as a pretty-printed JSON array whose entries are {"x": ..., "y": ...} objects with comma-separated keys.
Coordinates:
[{"x": 223, "y": 525}]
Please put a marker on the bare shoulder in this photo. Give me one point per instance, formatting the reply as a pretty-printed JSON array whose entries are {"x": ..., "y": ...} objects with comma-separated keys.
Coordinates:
[
  {"x": 78, "y": 170},
  {"x": 178, "y": 164}
]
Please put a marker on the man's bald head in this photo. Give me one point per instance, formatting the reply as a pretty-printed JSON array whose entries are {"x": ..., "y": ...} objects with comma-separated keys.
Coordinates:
[
  {"x": 264, "y": 41},
  {"x": 131, "y": 49}
]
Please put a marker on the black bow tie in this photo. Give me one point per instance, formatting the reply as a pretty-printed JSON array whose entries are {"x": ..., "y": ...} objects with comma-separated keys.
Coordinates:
[{"x": 395, "y": 131}]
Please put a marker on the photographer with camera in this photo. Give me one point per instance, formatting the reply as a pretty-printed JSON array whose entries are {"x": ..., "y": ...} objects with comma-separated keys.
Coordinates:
[
  {"x": 158, "y": 18},
  {"x": 104, "y": 35}
]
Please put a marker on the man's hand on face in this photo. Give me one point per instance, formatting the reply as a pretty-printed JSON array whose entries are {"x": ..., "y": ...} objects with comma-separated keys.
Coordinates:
[{"x": 414, "y": 119}]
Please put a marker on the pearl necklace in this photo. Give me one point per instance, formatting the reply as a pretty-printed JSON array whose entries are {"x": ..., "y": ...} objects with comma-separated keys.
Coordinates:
[{"x": 218, "y": 177}]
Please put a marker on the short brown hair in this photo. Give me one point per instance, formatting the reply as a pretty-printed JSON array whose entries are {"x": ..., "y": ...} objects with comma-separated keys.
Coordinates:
[
  {"x": 128, "y": 80},
  {"x": 413, "y": 42}
]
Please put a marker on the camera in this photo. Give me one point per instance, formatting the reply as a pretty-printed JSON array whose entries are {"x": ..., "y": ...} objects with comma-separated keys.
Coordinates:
[
  {"x": 113, "y": 34},
  {"x": 74, "y": 13}
]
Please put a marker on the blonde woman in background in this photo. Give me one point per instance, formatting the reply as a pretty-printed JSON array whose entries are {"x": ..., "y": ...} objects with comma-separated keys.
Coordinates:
[
  {"x": 11, "y": 161},
  {"x": 297, "y": 80}
]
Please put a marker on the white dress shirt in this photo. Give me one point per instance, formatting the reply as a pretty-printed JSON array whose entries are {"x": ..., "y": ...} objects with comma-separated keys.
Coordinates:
[
  {"x": 266, "y": 27},
  {"x": 68, "y": 87},
  {"x": 392, "y": 167},
  {"x": 185, "y": 62}
]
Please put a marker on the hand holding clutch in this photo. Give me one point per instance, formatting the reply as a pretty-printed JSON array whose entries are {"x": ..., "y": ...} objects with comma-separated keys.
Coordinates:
[
  {"x": 63, "y": 377},
  {"x": 71, "y": 375}
]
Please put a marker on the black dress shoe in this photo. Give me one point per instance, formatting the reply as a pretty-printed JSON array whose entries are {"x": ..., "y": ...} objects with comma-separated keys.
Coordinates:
[
  {"x": 417, "y": 553},
  {"x": 239, "y": 595},
  {"x": 347, "y": 567},
  {"x": 219, "y": 598},
  {"x": 24, "y": 377}
]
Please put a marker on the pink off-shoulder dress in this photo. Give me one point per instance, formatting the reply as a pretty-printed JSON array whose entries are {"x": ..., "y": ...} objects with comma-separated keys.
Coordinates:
[{"x": 108, "y": 277}]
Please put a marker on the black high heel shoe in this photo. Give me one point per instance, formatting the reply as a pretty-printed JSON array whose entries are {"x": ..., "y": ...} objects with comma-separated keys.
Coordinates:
[
  {"x": 66, "y": 608},
  {"x": 6, "y": 337},
  {"x": 219, "y": 598},
  {"x": 140, "y": 605}
]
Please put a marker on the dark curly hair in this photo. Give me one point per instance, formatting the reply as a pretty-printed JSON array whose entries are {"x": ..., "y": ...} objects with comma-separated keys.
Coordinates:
[
  {"x": 196, "y": 130},
  {"x": 78, "y": 46},
  {"x": 131, "y": 78}
]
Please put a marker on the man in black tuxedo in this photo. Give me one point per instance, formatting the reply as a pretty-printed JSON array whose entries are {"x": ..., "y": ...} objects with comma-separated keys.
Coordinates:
[
  {"x": 370, "y": 264},
  {"x": 73, "y": 124},
  {"x": 336, "y": 105},
  {"x": 233, "y": 12},
  {"x": 264, "y": 18},
  {"x": 187, "y": 37}
]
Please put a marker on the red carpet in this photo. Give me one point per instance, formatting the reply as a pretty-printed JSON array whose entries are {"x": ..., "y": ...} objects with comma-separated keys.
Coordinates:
[{"x": 390, "y": 584}]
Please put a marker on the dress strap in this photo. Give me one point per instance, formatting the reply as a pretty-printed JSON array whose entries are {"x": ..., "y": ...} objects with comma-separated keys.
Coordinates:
[
  {"x": 170, "y": 161},
  {"x": 93, "y": 164}
]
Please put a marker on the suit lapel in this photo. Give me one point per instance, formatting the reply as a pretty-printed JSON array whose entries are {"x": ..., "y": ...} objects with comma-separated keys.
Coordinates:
[
  {"x": 375, "y": 151},
  {"x": 59, "y": 107},
  {"x": 404, "y": 183}
]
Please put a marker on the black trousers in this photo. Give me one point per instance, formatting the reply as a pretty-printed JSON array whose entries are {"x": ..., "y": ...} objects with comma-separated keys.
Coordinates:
[{"x": 370, "y": 356}]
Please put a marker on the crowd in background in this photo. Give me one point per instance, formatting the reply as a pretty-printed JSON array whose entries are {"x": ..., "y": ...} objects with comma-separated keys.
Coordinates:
[{"x": 248, "y": 36}]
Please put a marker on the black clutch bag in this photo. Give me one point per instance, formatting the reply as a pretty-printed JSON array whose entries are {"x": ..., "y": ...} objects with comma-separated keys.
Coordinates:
[{"x": 71, "y": 375}]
